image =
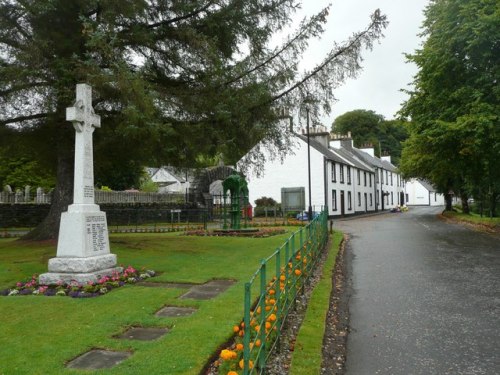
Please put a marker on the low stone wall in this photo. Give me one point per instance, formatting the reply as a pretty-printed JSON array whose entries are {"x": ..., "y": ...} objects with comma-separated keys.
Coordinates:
[
  {"x": 30, "y": 215},
  {"x": 22, "y": 215}
]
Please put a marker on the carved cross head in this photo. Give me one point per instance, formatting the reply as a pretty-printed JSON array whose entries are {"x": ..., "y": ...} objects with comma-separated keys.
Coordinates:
[{"x": 82, "y": 114}]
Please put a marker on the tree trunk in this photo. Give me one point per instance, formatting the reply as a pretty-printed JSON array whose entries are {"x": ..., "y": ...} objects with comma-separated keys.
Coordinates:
[
  {"x": 448, "y": 201},
  {"x": 465, "y": 203},
  {"x": 62, "y": 196},
  {"x": 493, "y": 205}
]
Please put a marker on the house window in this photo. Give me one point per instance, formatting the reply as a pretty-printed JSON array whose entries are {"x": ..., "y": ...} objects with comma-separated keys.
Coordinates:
[
  {"x": 341, "y": 174},
  {"x": 387, "y": 177},
  {"x": 407, "y": 197},
  {"x": 370, "y": 180},
  {"x": 349, "y": 175},
  {"x": 387, "y": 199},
  {"x": 381, "y": 176},
  {"x": 359, "y": 199},
  {"x": 359, "y": 177},
  {"x": 349, "y": 200},
  {"x": 391, "y": 178},
  {"x": 334, "y": 200},
  {"x": 435, "y": 197},
  {"x": 376, "y": 198},
  {"x": 392, "y": 198},
  {"x": 334, "y": 174},
  {"x": 364, "y": 174},
  {"x": 371, "y": 199}
]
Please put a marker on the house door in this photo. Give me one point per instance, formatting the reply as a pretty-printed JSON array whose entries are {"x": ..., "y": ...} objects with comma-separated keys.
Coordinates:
[
  {"x": 342, "y": 204},
  {"x": 402, "y": 198},
  {"x": 366, "y": 202}
]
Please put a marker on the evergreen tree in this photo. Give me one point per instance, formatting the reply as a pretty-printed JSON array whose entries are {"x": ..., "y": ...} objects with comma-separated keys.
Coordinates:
[{"x": 172, "y": 81}]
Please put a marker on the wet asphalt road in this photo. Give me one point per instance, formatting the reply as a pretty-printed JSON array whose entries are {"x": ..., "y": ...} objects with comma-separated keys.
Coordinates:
[{"x": 425, "y": 296}]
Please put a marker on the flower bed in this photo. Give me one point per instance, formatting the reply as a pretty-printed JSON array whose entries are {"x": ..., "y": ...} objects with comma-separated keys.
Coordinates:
[
  {"x": 263, "y": 232},
  {"x": 76, "y": 290}
]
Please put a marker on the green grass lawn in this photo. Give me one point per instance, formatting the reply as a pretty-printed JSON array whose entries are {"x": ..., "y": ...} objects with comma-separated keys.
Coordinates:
[
  {"x": 39, "y": 334},
  {"x": 307, "y": 356},
  {"x": 493, "y": 223}
]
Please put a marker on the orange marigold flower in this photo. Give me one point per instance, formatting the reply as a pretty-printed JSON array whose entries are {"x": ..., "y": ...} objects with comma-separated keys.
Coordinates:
[
  {"x": 268, "y": 325},
  {"x": 232, "y": 373},
  {"x": 257, "y": 343},
  {"x": 272, "y": 291},
  {"x": 268, "y": 308},
  {"x": 272, "y": 317},
  {"x": 227, "y": 354},
  {"x": 250, "y": 364},
  {"x": 282, "y": 278},
  {"x": 236, "y": 329},
  {"x": 239, "y": 347},
  {"x": 259, "y": 310},
  {"x": 272, "y": 301},
  {"x": 241, "y": 333},
  {"x": 298, "y": 272}
]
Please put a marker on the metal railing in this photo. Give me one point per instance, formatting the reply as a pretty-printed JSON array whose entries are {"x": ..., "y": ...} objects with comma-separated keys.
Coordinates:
[{"x": 275, "y": 286}]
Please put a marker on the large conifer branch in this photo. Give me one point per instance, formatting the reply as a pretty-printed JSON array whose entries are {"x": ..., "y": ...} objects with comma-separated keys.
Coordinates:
[
  {"x": 181, "y": 18},
  {"x": 350, "y": 45},
  {"x": 25, "y": 118},
  {"x": 22, "y": 87},
  {"x": 286, "y": 46}
]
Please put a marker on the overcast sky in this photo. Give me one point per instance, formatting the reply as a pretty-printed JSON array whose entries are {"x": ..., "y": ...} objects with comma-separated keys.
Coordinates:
[{"x": 385, "y": 70}]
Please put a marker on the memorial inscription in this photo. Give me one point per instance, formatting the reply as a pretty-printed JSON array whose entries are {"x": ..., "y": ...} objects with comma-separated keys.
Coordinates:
[{"x": 96, "y": 232}]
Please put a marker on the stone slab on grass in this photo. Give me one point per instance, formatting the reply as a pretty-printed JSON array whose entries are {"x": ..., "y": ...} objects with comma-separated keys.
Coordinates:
[
  {"x": 175, "y": 311},
  {"x": 208, "y": 290},
  {"x": 98, "y": 359},
  {"x": 141, "y": 333}
]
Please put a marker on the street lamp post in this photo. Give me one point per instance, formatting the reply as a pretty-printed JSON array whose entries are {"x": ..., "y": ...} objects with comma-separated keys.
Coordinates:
[{"x": 309, "y": 212}]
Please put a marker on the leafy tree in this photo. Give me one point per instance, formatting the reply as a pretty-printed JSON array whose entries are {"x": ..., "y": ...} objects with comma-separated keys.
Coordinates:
[
  {"x": 366, "y": 126},
  {"x": 265, "y": 202},
  {"x": 172, "y": 81},
  {"x": 455, "y": 131},
  {"x": 21, "y": 172}
]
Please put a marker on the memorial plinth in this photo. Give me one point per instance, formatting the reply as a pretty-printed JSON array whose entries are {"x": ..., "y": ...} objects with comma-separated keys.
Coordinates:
[{"x": 83, "y": 246}]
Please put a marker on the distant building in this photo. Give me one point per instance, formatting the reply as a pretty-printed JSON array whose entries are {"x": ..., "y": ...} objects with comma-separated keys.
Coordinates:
[
  {"x": 345, "y": 179},
  {"x": 171, "y": 179},
  {"x": 422, "y": 193}
]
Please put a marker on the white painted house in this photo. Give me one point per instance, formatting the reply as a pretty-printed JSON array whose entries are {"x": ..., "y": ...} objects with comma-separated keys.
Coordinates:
[
  {"x": 170, "y": 179},
  {"x": 421, "y": 193},
  {"x": 342, "y": 177}
]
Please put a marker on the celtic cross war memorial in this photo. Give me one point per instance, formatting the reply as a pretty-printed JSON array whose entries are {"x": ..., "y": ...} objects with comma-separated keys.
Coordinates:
[{"x": 83, "y": 246}]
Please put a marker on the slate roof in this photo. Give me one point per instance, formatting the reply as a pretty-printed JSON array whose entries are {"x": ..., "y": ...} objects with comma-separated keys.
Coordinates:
[
  {"x": 346, "y": 154},
  {"x": 341, "y": 155},
  {"x": 178, "y": 173},
  {"x": 320, "y": 148}
]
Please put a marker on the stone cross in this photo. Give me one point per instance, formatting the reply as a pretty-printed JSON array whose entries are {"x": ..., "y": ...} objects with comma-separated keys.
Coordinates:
[
  {"x": 84, "y": 121},
  {"x": 83, "y": 245}
]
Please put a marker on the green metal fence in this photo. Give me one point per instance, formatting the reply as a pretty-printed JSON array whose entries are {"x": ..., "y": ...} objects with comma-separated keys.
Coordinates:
[{"x": 274, "y": 288}]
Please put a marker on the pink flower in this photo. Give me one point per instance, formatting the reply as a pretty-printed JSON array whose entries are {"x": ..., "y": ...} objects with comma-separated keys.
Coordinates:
[{"x": 19, "y": 285}]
